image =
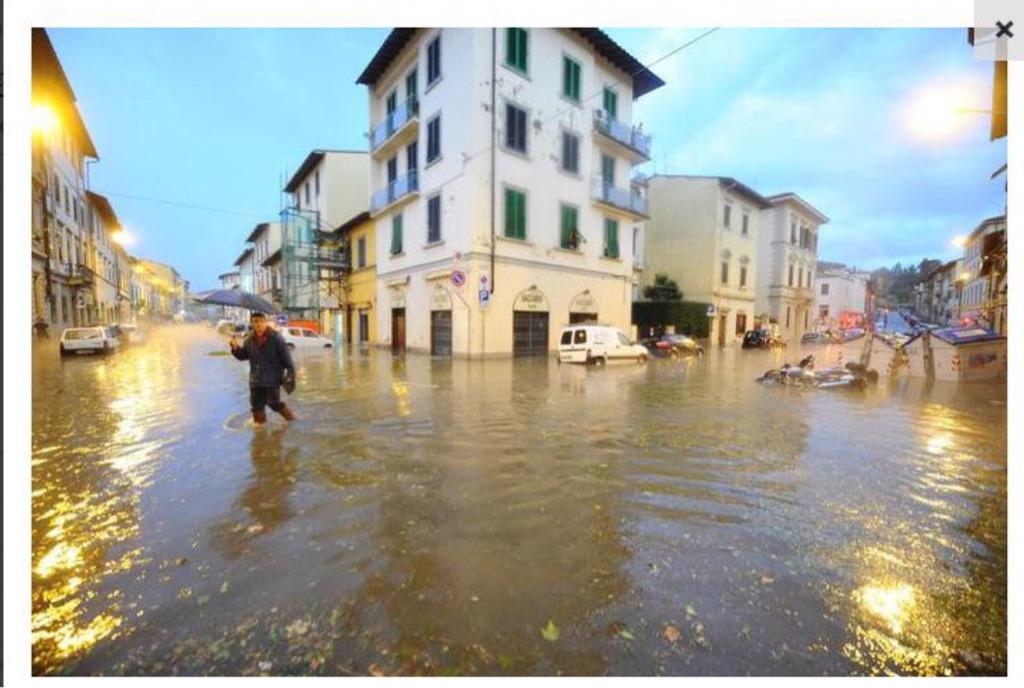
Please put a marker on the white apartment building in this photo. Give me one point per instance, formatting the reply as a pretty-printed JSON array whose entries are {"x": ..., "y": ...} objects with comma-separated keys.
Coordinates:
[
  {"x": 232, "y": 280},
  {"x": 975, "y": 301},
  {"x": 839, "y": 290},
  {"x": 266, "y": 249},
  {"x": 62, "y": 283},
  {"x": 703, "y": 233},
  {"x": 329, "y": 188},
  {"x": 788, "y": 254},
  {"x": 501, "y": 181},
  {"x": 247, "y": 265}
]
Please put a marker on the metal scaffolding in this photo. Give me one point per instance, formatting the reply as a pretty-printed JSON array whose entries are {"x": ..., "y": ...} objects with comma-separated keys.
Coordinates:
[{"x": 314, "y": 265}]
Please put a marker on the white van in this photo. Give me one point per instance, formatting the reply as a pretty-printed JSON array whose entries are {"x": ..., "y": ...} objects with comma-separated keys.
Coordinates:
[{"x": 598, "y": 344}]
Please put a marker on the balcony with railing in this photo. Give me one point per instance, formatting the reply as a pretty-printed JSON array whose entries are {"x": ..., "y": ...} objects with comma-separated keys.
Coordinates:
[
  {"x": 81, "y": 274},
  {"x": 396, "y": 127},
  {"x": 402, "y": 188},
  {"x": 636, "y": 144},
  {"x": 627, "y": 200}
]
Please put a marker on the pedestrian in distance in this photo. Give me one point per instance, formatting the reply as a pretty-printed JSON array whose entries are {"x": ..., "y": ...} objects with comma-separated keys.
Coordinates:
[{"x": 270, "y": 367}]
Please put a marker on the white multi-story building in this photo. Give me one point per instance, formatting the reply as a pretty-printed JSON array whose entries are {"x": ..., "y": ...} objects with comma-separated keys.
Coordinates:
[
  {"x": 109, "y": 299},
  {"x": 839, "y": 290},
  {"x": 266, "y": 246},
  {"x": 788, "y": 255},
  {"x": 62, "y": 282},
  {"x": 976, "y": 303},
  {"x": 329, "y": 188},
  {"x": 501, "y": 181},
  {"x": 703, "y": 233}
]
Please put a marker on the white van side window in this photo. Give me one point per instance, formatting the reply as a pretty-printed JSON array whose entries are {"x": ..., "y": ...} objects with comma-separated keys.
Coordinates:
[
  {"x": 581, "y": 337},
  {"x": 566, "y": 337}
]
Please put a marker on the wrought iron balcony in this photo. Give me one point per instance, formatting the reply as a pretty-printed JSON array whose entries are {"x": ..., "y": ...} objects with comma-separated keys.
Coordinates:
[
  {"x": 624, "y": 199},
  {"x": 630, "y": 137},
  {"x": 404, "y": 186},
  {"x": 406, "y": 112},
  {"x": 81, "y": 274}
]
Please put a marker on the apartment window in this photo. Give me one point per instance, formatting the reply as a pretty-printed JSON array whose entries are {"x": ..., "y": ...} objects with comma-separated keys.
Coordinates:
[
  {"x": 611, "y": 103},
  {"x": 411, "y": 84},
  {"x": 396, "y": 234},
  {"x": 741, "y": 323},
  {"x": 608, "y": 170},
  {"x": 412, "y": 155},
  {"x": 516, "y": 48},
  {"x": 743, "y": 276},
  {"x": 570, "y": 78},
  {"x": 570, "y": 152},
  {"x": 800, "y": 278},
  {"x": 434, "y": 219},
  {"x": 298, "y": 200},
  {"x": 792, "y": 233},
  {"x": 569, "y": 235},
  {"x": 515, "y": 214},
  {"x": 727, "y": 215},
  {"x": 515, "y": 128},
  {"x": 745, "y": 226},
  {"x": 391, "y": 104},
  {"x": 636, "y": 242},
  {"x": 790, "y": 282},
  {"x": 725, "y": 272},
  {"x": 434, "y": 139},
  {"x": 434, "y": 60},
  {"x": 824, "y": 288},
  {"x": 307, "y": 193},
  {"x": 787, "y": 316},
  {"x": 611, "y": 238},
  {"x": 805, "y": 319},
  {"x": 316, "y": 182},
  {"x": 392, "y": 172}
]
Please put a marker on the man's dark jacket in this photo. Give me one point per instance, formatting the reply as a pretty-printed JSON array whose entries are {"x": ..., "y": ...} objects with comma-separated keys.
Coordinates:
[{"x": 267, "y": 361}]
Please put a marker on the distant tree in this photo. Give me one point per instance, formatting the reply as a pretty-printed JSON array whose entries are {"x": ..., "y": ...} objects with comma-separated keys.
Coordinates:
[{"x": 663, "y": 289}]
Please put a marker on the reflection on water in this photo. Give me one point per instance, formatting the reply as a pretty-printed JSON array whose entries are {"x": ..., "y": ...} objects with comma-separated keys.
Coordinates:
[{"x": 434, "y": 517}]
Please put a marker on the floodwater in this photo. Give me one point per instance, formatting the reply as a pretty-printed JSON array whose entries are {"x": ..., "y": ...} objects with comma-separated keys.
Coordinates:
[{"x": 511, "y": 518}]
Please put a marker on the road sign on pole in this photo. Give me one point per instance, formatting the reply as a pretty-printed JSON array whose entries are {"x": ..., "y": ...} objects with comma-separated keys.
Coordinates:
[
  {"x": 485, "y": 298},
  {"x": 711, "y": 310},
  {"x": 458, "y": 278}
]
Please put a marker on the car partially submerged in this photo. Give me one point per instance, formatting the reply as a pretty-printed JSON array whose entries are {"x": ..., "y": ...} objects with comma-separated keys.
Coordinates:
[
  {"x": 673, "y": 346},
  {"x": 88, "y": 340},
  {"x": 597, "y": 345}
]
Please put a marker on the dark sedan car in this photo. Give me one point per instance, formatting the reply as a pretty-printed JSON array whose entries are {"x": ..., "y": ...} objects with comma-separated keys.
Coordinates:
[{"x": 756, "y": 339}]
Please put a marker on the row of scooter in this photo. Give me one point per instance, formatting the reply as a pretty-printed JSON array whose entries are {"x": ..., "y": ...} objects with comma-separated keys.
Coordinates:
[{"x": 852, "y": 375}]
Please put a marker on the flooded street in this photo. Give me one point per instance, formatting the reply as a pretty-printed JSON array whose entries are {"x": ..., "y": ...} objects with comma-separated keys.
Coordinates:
[{"x": 511, "y": 517}]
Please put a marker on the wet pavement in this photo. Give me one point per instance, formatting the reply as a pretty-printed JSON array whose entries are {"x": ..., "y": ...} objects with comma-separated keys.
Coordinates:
[{"x": 511, "y": 517}]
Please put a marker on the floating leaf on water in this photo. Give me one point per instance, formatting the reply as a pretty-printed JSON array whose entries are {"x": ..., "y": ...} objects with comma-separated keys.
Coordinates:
[
  {"x": 626, "y": 634},
  {"x": 203, "y": 599},
  {"x": 690, "y": 611},
  {"x": 550, "y": 632},
  {"x": 767, "y": 580},
  {"x": 671, "y": 634},
  {"x": 505, "y": 662},
  {"x": 223, "y": 587}
]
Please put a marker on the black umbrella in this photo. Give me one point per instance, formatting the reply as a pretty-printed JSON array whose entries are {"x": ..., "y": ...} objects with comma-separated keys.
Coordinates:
[{"x": 236, "y": 298}]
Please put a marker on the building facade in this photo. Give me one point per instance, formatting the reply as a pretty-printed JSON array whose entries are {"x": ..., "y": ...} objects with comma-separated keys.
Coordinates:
[
  {"x": 703, "y": 233},
  {"x": 936, "y": 296},
  {"x": 501, "y": 186},
  {"x": 788, "y": 255},
  {"x": 110, "y": 304},
  {"x": 328, "y": 188},
  {"x": 839, "y": 290},
  {"x": 265, "y": 239},
  {"x": 979, "y": 301},
  {"x": 63, "y": 286},
  {"x": 359, "y": 286}
]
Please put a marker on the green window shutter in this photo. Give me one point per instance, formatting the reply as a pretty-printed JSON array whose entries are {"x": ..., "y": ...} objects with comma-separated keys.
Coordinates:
[
  {"x": 524, "y": 49},
  {"x": 570, "y": 79},
  {"x": 515, "y": 214},
  {"x": 521, "y": 216},
  {"x": 611, "y": 103},
  {"x": 510, "y": 212},
  {"x": 611, "y": 238},
  {"x": 569, "y": 226},
  {"x": 515, "y": 48},
  {"x": 396, "y": 234}
]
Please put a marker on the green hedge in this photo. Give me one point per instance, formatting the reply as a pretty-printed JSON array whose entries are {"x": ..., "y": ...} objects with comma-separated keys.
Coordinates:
[{"x": 689, "y": 317}]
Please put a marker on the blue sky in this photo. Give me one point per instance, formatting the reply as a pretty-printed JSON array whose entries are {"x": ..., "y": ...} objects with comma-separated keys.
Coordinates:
[{"x": 214, "y": 118}]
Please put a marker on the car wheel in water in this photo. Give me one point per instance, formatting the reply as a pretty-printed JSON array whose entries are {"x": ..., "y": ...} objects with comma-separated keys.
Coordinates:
[
  {"x": 63, "y": 351},
  {"x": 642, "y": 358}
]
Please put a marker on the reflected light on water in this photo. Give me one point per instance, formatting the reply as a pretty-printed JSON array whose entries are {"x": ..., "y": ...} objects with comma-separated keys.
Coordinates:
[{"x": 892, "y": 604}]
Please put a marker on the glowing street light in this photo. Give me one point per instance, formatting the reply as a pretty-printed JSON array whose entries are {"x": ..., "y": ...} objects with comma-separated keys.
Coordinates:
[
  {"x": 122, "y": 237},
  {"x": 44, "y": 119},
  {"x": 935, "y": 112},
  {"x": 959, "y": 241}
]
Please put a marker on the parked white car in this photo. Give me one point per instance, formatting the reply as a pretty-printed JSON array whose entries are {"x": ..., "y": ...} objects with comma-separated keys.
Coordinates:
[
  {"x": 598, "y": 344},
  {"x": 304, "y": 338},
  {"x": 88, "y": 340}
]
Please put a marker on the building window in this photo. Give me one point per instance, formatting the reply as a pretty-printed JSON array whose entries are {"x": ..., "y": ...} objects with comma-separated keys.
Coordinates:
[
  {"x": 727, "y": 215},
  {"x": 361, "y": 252},
  {"x": 745, "y": 227},
  {"x": 434, "y": 219},
  {"x": 434, "y": 139},
  {"x": 411, "y": 155},
  {"x": 392, "y": 166},
  {"x": 515, "y": 128},
  {"x": 611, "y": 238},
  {"x": 787, "y": 316},
  {"x": 516, "y": 48},
  {"x": 316, "y": 182},
  {"x": 792, "y": 232},
  {"x": 725, "y": 272},
  {"x": 636, "y": 243},
  {"x": 569, "y": 235},
  {"x": 515, "y": 214},
  {"x": 410, "y": 84},
  {"x": 741, "y": 322},
  {"x": 434, "y": 60},
  {"x": 611, "y": 103},
  {"x": 608, "y": 170},
  {"x": 824, "y": 288},
  {"x": 800, "y": 278},
  {"x": 570, "y": 152},
  {"x": 570, "y": 78},
  {"x": 307, "y": 193},
  {"x": 396, "y": 234},
  {"x": 790, "y": 282},
  {"x": 743, "y": 276}
]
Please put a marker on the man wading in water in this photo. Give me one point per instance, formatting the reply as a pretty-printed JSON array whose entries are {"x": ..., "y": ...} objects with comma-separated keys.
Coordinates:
[{"x": 270, "y": 366}]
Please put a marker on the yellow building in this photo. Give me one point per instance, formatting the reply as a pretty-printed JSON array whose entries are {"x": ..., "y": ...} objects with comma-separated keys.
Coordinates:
[{"x": 360, "y": 285}]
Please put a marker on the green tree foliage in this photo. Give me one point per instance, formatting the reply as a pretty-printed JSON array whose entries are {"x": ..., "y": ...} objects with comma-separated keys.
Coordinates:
[{"x": 663, "y": 289}]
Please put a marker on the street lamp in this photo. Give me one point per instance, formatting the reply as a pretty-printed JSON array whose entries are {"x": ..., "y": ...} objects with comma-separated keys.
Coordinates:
[
  {"x": 959, "y": 241},
  {"x": 934, "y": 114}
]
